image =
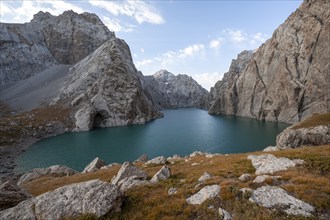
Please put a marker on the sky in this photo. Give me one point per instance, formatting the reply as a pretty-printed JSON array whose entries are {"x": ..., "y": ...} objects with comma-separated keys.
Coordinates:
[{"x": 198, "y": 38}]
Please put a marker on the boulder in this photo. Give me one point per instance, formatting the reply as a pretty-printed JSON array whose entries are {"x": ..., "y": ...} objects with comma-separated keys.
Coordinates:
[
  {"x": 11, "y": 194},
  {"x": 131, "y": 182},
  {"x": 38, "y": 172},
  {"x": 224, "y": 215},
  {"x": 270, "y": 149},
  {"x": 245, "y": 177},
  {"x": 163, "y": 174},
  {"x": 172, "y": 191},
  {"x": 94, "y": 196},
  {"x": 109, "y": 166},
  {"x": 143, "y": 158},
  {"x": 126, "y": 171},
  {"x": 196, "y": 153},
  {"x": 269, "y": 164},
  {"x": 262, "y": 178},
  {"x": 95, "y": 165},
  {"x": 205, "y": 176},
  {"x": 156, "y": 161},
  {"x": 275, "y": 197},
  {"x": 208, "y": 192}
]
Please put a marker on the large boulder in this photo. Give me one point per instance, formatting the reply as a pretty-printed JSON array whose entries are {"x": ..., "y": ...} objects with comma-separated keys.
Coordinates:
[
  {"x": 38, "y": 172},
  {"x": 286, "y": 79},
  {"x": 269, "y": 164},
  {"x": 94, "y": 196},
  {"x": 11, "y": 194},
  {"x": 163, "y": 174},
  {"x": 275, "y": 197},
  {"x": 95, "y": 165},
  {"x": 208, "y": 192}
]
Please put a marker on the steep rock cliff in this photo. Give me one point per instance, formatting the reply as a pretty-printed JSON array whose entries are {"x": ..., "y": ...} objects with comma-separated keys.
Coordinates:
[
  {"x": 105, "y": 89},
  {"x": 287, "y": 78},
  {"x": 27, "y": 49},
  {"x": 181, "y": 91}
]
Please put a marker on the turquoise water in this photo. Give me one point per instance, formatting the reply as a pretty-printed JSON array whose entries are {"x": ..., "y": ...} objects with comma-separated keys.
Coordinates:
[{"x": 179, "y": 132}]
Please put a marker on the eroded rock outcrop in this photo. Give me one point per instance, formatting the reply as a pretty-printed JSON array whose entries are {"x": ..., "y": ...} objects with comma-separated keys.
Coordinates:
[
  {"x": 170, "y": 91},
  {"x": 286, "y": 79},
  {"x": 105, "y": 89},
  {"x": 94, "y": 196},
  {"x": 46, "y": 41}
]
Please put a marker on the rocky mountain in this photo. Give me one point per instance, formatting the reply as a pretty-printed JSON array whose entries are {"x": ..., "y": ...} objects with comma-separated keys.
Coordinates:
[
  {"x": 27, "y": 49},
  {"x": 287, "y": 78},
  {"x": 170, "y": 91},
  {"x": 105, "y": 89}
]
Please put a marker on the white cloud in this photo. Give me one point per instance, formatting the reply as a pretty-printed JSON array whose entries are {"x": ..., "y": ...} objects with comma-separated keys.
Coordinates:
[
  {"x": 142, "y": 50},
  {"x": 237, "y": 36},
  {"x": 139, "y": 10},
  {"x": 26, "y": 9},
  {"x": 116, "y": 26},
  {"x": 143, "y": 62},
  {"x": 207, "y": 80},
  {"x": 191, "y": 50}
]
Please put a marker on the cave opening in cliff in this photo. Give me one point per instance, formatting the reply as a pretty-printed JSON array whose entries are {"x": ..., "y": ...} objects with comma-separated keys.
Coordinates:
[{"x": 97, "y": 122}]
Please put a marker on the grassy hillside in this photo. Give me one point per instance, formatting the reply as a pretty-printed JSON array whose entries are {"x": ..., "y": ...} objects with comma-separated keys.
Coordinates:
[{"x": 308, "y": 182}]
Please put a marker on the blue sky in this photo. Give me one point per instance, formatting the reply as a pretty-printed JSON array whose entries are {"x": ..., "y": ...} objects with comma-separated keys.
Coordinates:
[{"x": 198, "y": 38}]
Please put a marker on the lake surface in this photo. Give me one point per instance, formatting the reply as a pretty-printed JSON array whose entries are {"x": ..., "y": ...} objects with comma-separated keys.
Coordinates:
[{"x": 179, "y": 132}]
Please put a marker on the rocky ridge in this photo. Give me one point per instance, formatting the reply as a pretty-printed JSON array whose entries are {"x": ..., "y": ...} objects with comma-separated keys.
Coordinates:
[
  {"x": 169, "y": 91},
  {"x": 47, "y": 41},
  {"x": 286, "y": 79}
]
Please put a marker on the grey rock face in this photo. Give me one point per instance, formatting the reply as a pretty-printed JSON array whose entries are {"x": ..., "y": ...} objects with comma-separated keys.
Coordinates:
[
  {"x": 275, "y": 197},
  {"x": 27, "y": 49},
  {"x": 170, "y": 91},
  {"x": 208, "y": 192},
  {"x": 93, "y": 196},
  {"x": 109, "y": 89},
  {"x": 38, "y": 172},
  {"x": 286, "y": 79},
  {"x": 96, "y": 164},
  {"x": 11, "y": 194},
  {"x": 269, "y": 164},
  {"x": 293, "y": 138},
  {"x": 163, "y": 174}
]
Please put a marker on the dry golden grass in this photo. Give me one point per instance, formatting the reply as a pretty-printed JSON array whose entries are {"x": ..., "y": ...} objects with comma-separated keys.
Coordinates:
[
  {"x": 308, "y": 182},
  {"x": 315, "y": 120}
]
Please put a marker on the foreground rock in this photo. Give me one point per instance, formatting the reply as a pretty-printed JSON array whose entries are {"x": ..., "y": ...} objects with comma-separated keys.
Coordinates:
[
  {"x": 38, "y": 172},
  {"x": 286, "y": 79},
  {"x": 95, "y": 165},
  {"x": 269, "y": 164},
  {"x": 313, "y": 136},
  {"x": 163, "y": 174},
  {"x": 95, "y": 196},
  {"x": 208, "y": 192},
  {"x": 170, "y": 91},
  {"x": 129, "y": 176},
  {"x": 11, "y": 194},
  {"x": 275, "y": 197}
]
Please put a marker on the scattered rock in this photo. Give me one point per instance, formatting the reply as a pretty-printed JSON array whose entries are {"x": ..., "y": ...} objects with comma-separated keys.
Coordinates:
[
  {"x": 128, "y": 170},
  {"x": 174, "y": 158},
  {"x": 275, "y": 197},
  {"x": 268, "y": 163},
  {"x": 245, "y": 177},
  {"x": 131, "y": 182},
  {"x": 270, "y": 149},
  {"x": 38, "y": 172},
  {"x": 11, "y": 194},
  {"x": 163, "y": 174},
  {"x": 293, "y": 138},
  {"x": 95, "y": 165},
  {"x": 262, "y": 178},
  {"x": 224, "y": 215},
  {"x": 208, "y": 192},
  {"x": 172, "y": 191},
  {"x": 196, "y": 153},
  {"x": 109, "y": 166},
  {"x": 156, "y": 161},
  {"x": 194, "y": 164},
  {"x": 94, "y": 196},
  {"x": 143, "y": 158},
  {"x": 205, "y": 176},
  {"x": 246, "y": 190}
]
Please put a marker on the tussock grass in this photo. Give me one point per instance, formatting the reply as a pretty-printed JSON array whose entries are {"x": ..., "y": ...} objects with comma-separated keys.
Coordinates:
[
  {"x": 308, "y": 182},
  {"x": 313, "y": 121}
]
